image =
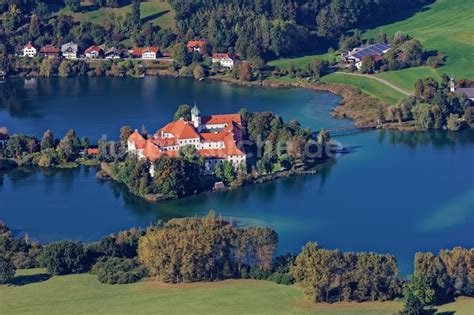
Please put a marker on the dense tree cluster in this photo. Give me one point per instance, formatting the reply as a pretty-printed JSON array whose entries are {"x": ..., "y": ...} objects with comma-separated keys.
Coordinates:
[
  {"x": 28, "y": 150},
  {"x": 450, "y": 273},
  {"x": 276, "y": 145},
  {"x": 274, "y": 28},
  {"x": 173, "y": 177},
  {"x": 434, "y": 106},
  {"x": 20, "y": 252},
  {"x": 196, "y": 249},
  {"x": 330, "y": 275}
]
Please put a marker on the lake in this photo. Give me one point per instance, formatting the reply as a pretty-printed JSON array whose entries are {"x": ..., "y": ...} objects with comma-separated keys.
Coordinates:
[{"x": 394, "y": 193}]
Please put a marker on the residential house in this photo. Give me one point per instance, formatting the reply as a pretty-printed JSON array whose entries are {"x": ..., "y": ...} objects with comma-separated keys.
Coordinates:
[
  {"x": 356, "y": 55},
  {"x": 224, "y": 60},
  {"x": 69, "y": 50},
  {"x": 29, "y": 51},
  {"x": 468, "y": 92},
  {"x": 49, "y": 51},
  {"x": 199, "y": 46},
  {"x": 150, "y": 53},
  {"x": 93, "y": 52},
  {"x": 114, "y": 53},
  {"x": 217, "y": 138}
]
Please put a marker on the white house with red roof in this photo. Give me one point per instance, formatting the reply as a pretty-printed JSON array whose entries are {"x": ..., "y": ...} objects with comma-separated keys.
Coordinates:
[
  {"x": 29, "y": 51},
  {"x": 93, "y": 52},
  {"x": 224, "y": 60},
  {"x": 217, "y": 138},
  {"x": 198, "y": 46}
]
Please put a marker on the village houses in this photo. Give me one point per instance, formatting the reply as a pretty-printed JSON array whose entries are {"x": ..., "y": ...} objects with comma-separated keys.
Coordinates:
[
  {"x": 29, "y": 50},
  {"x": 468, "y": 91},
  {"x": 114, "y": 53},
  {"x": 356, "y": 55},
  {"x": 198, "y": 46},
  {"x": 93, "y": 52},
  {"x": 69, "y": 50},
  {"x": 224, "y": 60},
  {"x": 49, "y": 51},
  {"x": 147, "y": 53},
  {"x": 216, "y": 139}
]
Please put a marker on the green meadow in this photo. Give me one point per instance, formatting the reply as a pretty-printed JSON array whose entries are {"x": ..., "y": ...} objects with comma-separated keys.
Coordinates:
[
  {"x": 446, "y": 26},
  {"x": 366, "y": 85},
  {"x": 33, "y": 292},
  {"x": 159, "y": 12}
]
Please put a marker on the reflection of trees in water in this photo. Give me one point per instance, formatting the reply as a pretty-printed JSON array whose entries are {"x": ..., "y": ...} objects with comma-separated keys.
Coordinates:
[
  {"x": 16, "y": 93},
  {"x": 10, "y": 100},
  {"x": 439, "y": 139}
]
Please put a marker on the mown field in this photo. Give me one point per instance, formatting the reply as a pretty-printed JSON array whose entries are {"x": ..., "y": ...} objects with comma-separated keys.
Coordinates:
[
  {"x": 35, "y": 293},
  {"x": 368, "y": 86},
  {"x": 158, "y": 12}
]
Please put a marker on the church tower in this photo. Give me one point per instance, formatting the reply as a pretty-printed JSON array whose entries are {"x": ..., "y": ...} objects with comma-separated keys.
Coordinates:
[{"x": 196, "y": 117}]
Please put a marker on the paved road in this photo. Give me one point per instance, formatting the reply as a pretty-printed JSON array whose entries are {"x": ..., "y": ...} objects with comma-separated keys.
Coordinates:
[{"x": 396, "y": 88}]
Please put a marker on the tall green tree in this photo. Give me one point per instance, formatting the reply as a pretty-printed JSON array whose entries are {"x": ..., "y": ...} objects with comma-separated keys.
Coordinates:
[{"x": 136, "y": 16}]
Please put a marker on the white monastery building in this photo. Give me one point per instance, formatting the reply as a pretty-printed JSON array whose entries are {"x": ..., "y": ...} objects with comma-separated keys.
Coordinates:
[{"x": 216, "y": 139}]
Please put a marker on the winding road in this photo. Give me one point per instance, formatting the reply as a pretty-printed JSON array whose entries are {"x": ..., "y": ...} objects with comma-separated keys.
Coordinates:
[{"x": 396, "y": 88}]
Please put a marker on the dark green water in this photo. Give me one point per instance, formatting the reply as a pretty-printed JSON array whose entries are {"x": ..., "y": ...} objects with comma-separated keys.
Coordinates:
[{"x": 397, "y": 192}]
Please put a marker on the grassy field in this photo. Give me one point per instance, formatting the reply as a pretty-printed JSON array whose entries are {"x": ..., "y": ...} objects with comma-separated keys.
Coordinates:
[
  {"x": 158, "y": 12},
  {"x": 369, "y": 86},
  {"x": 83, "y": 294},
  {"x": 446, "y": 26},
  {"x": 301, "y": 61},
  {"x": 406, "y": 78}
]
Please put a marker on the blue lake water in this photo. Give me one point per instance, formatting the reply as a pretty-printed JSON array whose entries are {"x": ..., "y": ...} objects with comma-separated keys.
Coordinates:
[{"x": 395, "y": 193}]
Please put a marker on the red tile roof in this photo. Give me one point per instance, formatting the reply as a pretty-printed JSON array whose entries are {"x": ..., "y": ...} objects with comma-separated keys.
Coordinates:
[
  {"x": 93, "y": 48},
  {"x": 150, "y": 49},
  {"x": 137, "y": 139},
  {"x": 221, "y": 56},
  {"x": 181, "y": 130},
  {"x": 92, "y": 151},
  {"x": 197, "y": 43},
  {"x": 49, "y": 49},
  {"x": 29, "y": 46},
  {"x": 164, "y": 142},
  {"x": 221, "y": 119},
  {"x": 151, "y": 151}
]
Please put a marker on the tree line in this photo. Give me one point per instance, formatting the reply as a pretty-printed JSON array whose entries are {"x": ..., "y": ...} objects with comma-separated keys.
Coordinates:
[
  {"x": 434, "y": 106},
  {"x": 277, "y": 28},
  {"x": 212, "y": 248}
]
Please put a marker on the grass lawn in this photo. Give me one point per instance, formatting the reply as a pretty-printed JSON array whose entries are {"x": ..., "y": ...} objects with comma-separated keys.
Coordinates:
[
  {"x": 406, "y": 78},
  {"x": 158, "y": 12},
  {"x": 366, "y": 85},
  {"x": 83, "y": 294},
  {"x": 446, "y": 26},
  {"x": 301, "y": 61}
]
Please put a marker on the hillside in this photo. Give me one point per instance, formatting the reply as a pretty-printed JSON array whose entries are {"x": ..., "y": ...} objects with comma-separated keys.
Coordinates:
[
  {"x": 36, "y": 294},
  {"x": 159, "y": 12},
  {"x": 446, "y": 26}
]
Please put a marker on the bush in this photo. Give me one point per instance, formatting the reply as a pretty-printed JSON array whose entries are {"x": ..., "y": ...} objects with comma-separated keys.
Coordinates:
[
  {"x": 281, "y": 278},
  {"x": 7, "y": 270},
  {"x": 115, "y": 270},
  {"x": 64, "y": 257}
]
